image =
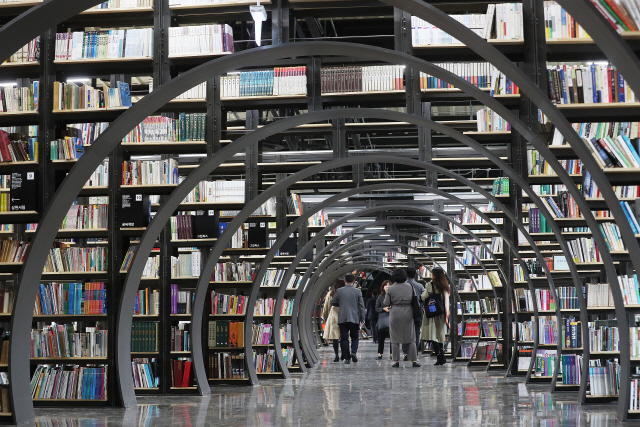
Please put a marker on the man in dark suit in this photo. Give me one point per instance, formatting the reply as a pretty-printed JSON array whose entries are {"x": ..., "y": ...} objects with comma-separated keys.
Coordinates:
[
  {"x": 372, "y": 315},
  {"x": 350, "y": 316}
]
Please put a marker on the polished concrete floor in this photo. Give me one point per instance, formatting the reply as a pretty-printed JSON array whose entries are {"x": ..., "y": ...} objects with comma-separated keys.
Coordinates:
[{"x": 367, "y": 393}]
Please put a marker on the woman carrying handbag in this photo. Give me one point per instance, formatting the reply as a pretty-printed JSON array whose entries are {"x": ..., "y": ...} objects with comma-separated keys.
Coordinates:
[
  {"x": 434, "y": 322},
  {"x": 383, "y": 319}
]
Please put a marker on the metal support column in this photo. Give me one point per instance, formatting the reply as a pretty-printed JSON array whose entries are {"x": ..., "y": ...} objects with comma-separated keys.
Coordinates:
[{"x": 251, "y": 162}]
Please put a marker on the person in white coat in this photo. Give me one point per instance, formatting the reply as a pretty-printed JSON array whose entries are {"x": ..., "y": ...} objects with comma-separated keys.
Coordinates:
[{"x": 330, "y": 314}]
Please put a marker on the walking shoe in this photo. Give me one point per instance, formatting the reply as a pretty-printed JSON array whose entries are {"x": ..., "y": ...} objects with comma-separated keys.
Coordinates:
[
  {"x": 347, "y": 362},
  {"x": 354, "y": 358},
  {"x": 337, "y": 359},
  {"x": 379, "y": 357},
  {"x": 406, "y": 357},
  {"x": 416, "y": 365},
  {"x": 396, "y": 365}
]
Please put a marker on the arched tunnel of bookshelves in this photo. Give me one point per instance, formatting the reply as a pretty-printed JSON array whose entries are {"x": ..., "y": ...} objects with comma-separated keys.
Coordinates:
[
  {"x": 326, "y": 263},
  {"x": 154, "y": 96},
  {"x": 617, "y": 302}
]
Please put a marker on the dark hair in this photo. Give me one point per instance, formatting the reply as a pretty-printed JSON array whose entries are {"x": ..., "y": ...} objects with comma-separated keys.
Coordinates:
[
  {"x": 411, "y": 272},
  {"x": 439, "y": 280},
  {"x": 349, "y": 278},
  {"x": 337, "y": 284},
  {"x": 398, "y": 275},
  {"x": 382, "y": 291}
]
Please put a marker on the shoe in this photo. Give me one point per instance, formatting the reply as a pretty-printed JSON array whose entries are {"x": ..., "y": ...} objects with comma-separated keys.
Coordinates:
[
  {"x": 347, "y": 362},
  {"x": 406, "y": 357},
  {"x": 396, "y": 365},
  {"x": 354, "y": 358},
  {"x": 337, "y": 359},
  {"x": 379, "y": 357},
  {"x": 416, "y": 364}
]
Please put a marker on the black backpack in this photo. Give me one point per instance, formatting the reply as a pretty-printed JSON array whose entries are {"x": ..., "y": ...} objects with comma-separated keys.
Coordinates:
[{"x": 433, "y": 305}]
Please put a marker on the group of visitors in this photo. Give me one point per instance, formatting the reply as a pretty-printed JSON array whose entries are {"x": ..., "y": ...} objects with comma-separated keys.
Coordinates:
[{"x": 407, "y": 311}]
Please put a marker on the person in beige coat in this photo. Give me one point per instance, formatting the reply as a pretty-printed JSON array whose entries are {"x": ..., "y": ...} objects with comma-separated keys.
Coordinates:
[
  {"x": 330, "y": 314},
  {"x": 433, "y": 329}
]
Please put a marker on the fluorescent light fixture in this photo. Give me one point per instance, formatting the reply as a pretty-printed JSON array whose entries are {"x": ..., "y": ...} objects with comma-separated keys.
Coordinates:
[
  {"x": 7, "y": 84},
  {"x": 79, "y": 79},
  {"x": 259, "y": 15}
]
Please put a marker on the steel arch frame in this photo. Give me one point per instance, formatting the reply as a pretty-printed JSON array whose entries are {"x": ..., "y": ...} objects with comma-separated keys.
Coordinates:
[{"x": 591, "y": 26}]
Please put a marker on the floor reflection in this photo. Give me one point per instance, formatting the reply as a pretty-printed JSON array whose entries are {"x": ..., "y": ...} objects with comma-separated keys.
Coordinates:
[{"x": 369, "y": 393}]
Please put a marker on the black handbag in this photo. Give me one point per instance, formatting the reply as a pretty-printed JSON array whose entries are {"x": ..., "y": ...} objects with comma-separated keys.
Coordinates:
[
  {"x": 415, "y": 305},
  {"x": 383, "y": 321}
]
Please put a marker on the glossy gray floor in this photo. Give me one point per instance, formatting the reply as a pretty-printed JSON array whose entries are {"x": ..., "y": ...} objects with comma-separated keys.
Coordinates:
[{"x": 367, "y": 393}]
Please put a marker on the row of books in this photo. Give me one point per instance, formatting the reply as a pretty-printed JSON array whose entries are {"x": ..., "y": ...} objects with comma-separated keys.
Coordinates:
[
  {"x": 589, "y": 84},
  {"x": 599, "y": 295},
  {"x": 72, "y": 259},
  {"x": 426, "y": 33},
  {"x": 181, "y": 300},
  {"x": 492, "y": 329},
  {"x": 374, "y": 78},
  {"x": 623, "y": 15},
  {"x": 525, "y": 330},
  {"x": 599, "y": 130},
  {"x": 545, "y": 362},
  {"x": 67, "y": 148},
  {"x": 467, "y": 349},
  {"x": 613, "y": 238},
  {"x": 66, "y": 341},
  {"x": 102, "y": 44},
  {"x": 262, "y": 334},
  {"x": 145, "y": 372},
  {"x": 17, "y": 148},
  {"x": 584, "y": 249},
  {"x": 286, "y": 309},
  {"x": 548, "y": 329},
  {"x": 30, "y": 52},
  {"x": 264, "y": 307},
  {"x": 228, "y": 304},
  {"x": 13, "y": 250},
  {"x": 187, "y": 265},
  {"x": 571, "y": 365},
  {"x": 571, "y": 333},
  {"x": 185, "y": 127},
  {"x": 266, "y": 362},
  {"x": 180, "y": 337},
  {"x": 480, "y": 74},
  {"x": 486, "y": 305},
  {"x": 147, "y": 302},
  {"x": 486, "y": 351},
  {"x": 123, "y": 4},
  {"x": 66, "y": 382},
  {"x": 280, "y": 81},
  {"x": 500, "y": 187},
  {"x": 197, "y": 92},
  {"x": 234, "y": 272},
  {"x": 285, "y": 333},
  {"x": 604, "y": 380},
  {"x": 99, "y": 177},
  {"x": 181, "y": 372},
  {"x": 150, "y": 172},
  {"x": 19, "y": 99},
  {"x": 558, "y": 24},
  {"x": 604, "y": 336},
  {"x": 630, "y": 289},
  {"x": 225, "y": 333},
  {"x": 226, "y": 366},
  {"x": 616, "y": 152},
  {"x": 200, "y": 39},
  {"x": 489, "y": 121},
  {"x": 144, "y": 336},
  {"x": 86, "y": 217},
  {"x": 71, "y": 298},
  {"x": 217, "y": 192},
  {"x": 71, "y": 96},
  {"x": 537, "y": 165},
  {"x": 6, "y": 298}
]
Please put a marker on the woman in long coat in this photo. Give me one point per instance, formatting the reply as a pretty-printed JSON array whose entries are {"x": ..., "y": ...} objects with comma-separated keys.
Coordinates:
[
  {"x": 330, "y": 314},
  {"x": 401, "y": 325},
  {"x": 434, "y": 329}
]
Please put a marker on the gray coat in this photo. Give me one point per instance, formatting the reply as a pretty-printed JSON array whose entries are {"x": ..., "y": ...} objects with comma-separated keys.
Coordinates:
[
  {"x": 351, "y": 304},
  {"x": 401, "y": 326},
  {"x": 419, "y": 289}
]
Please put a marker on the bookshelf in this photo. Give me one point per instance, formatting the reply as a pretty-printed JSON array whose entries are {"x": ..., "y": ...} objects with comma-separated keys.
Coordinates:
[{"x": 225, "y": 128}]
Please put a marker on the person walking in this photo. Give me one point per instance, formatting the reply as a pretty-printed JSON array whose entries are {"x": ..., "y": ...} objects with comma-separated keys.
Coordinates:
[
  {"x": 401, "y": 325},
  {"x": 372, "y": 315},
  {"x": 433, "y": 329},
  {"x": 330, "y": 314},
  {"x": 383, "y": 318},
  {"x": 350, "y": 317},
  {"x": 418, "y": 289}
]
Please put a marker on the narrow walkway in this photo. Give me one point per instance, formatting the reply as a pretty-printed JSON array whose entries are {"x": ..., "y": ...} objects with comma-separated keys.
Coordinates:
[{"x": 367, "y": 393}]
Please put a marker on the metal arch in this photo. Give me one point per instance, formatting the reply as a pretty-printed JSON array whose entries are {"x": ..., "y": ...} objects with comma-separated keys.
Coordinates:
[
  {"x": 329, "y": 201},
  {"x": 615, "y": 48},
  {"x": 327, "y": 261},
  {"x": 109, "y": 139},
  {"x": 422, "y": 10}
]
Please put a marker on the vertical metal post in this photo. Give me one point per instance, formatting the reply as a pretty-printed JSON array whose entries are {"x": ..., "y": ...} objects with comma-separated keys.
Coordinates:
[
  {"x": 251, "y": 161},
  {"x": 314, "y": 89},
  {"x": 215, "y": 121},
  {"x": 280, "y": 22},
  {"x": 46, "y": 124},
  {"x": 161, "y": 23},
  {"x": 425, "y": 146},
  {"x": 339, "y": 138}
]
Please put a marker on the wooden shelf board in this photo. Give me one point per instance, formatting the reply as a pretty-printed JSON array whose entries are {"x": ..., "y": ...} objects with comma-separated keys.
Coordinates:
[
  {"x": 90, "y": 110},
  {"x": 103, "y": 60},
  {"x": 18, "y": 113},
  {"x": 69, "y": 358},
  {"x": 183, "y": 388},
  {"x": 262, "y": 98},
  {"x": 19, "y": 64},
  {"x": 500, "y": 42},
  {"x": 117, "y": 10},
  {"x": 70, "y": 400},
  {"x": 11, "y": 4},
  {"x": 220, "y": 4},
  {"x": 199, "y": 55}
]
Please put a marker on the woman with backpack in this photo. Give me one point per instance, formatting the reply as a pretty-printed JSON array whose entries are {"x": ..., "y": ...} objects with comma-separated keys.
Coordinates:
[
  {"x": 330, "y": 314},
  {"x": 383, "y": 318},
  {"x": 434, "y": 321}
]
